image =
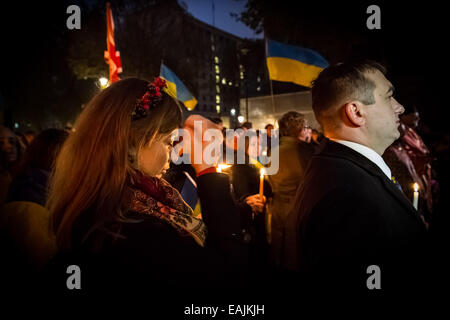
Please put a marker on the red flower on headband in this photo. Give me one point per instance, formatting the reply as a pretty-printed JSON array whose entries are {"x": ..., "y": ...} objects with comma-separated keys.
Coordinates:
[
  {"x": 159, "y": 83},
  {"x": 151, "y": 97}
]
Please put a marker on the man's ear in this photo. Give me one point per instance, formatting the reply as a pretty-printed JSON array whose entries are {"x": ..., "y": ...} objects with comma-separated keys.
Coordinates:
[{"x": 354, "y": 114}]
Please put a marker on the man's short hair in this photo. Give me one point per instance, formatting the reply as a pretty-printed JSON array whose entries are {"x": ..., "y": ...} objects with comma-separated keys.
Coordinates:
[
  {"x": 343, "y": 81},
  {"x": 291, "y": 124},
  {"x": 269, "y": 125},
  {"x": 247, "y": 125}
]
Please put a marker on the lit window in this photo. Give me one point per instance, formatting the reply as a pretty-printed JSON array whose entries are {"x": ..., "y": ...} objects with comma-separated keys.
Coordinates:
[
  {"x": 258, "y": 79},
  {"x": 258, "y": 89},
  {"x": 230, "y": 83},
  {"x": 216, "y": 59},
  {"x": 242, "y": 75},
  {"x": 213, "y": 48},
  {"x": 217, "y": 99},
  {"x": 241, "y": 67},
  {"x": 217, "y": 89},
  {"x": 217, "y": 79},
  {"x": 217, "y": 69},
  {"x": 224, "y": 81},
  {"x": 218, "y": 108}
]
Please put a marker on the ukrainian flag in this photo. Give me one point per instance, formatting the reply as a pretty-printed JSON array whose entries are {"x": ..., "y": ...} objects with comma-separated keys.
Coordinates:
[
  {"x": 293, "y": 64},
  {"x": 176, "y": 88}
]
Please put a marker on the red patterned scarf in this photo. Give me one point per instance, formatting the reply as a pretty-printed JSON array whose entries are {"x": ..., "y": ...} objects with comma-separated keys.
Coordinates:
[{"x": 156, "y": 197}]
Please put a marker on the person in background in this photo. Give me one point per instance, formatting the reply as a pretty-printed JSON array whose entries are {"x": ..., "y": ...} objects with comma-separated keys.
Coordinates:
[
  {"x": 245, "y": 178},
  {"x": 247, "y": 126},
  {"x": 306, "y": 135},
  {"x": 293, "y": 158},
  {"x": 269, "y": 132},
  {"x": 10, "y": 156},
  {"x": 27, "y": 242},
  {"x": 420, "y": 155},
  {"x": 31, "y": 181}
]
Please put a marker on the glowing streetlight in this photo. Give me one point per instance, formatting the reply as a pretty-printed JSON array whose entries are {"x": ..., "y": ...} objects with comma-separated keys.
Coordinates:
[
  {"x": 241, "y": 119},
  {"x": 233, "y": 112},
  {"x": 103, "y": 82}
]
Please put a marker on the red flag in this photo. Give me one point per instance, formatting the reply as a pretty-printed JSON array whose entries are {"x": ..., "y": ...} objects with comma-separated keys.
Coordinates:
[{"x": 112, "y": 57}]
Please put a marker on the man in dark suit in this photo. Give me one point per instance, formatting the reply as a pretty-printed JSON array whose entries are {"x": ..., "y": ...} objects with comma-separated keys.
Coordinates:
[{"x": 351, "y": 227}]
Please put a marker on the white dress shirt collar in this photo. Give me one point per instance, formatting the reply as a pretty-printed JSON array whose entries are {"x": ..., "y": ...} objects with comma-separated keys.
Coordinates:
[{"x": 369, "y": 154}]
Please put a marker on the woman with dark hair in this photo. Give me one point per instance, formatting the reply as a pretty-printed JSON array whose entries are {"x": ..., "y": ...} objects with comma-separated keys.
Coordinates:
[
  {"x": 31, "y": 181},
  {"x": 118, "y": 220}
]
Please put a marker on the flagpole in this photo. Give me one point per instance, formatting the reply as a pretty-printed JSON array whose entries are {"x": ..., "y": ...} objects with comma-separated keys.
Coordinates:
[
  {"x": 271, "y": 86},
  {"x": 273, "y": 101}
]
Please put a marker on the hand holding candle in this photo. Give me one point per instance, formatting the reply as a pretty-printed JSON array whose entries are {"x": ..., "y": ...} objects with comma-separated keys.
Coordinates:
[{"x": 416, "y": 195}]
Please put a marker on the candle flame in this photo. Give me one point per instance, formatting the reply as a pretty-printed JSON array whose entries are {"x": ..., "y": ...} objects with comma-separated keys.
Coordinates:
[
  {"x": 221, "y": 167},
  {"x": 262, "y": 172},
  {"x": 416, "y": 187}
]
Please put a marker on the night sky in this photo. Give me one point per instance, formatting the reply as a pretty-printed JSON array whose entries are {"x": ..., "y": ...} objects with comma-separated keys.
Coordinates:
[
  {"x": 202, "y": 10},
  {"x": 414, "y": 37}
]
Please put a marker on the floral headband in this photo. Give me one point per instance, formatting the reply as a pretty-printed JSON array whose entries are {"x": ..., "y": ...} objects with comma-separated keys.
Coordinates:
[{"x": 150, "y": 99}]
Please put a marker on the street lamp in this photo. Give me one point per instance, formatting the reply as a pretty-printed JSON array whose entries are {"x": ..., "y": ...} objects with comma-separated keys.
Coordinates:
[
  {"x": 103, "y": 82},
  {"x": 241, "y": 119},
  {"x": 233, "y": 112}
]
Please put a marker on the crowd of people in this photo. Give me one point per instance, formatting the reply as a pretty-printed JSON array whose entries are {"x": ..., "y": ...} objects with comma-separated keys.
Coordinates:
[{"x": 106, "y": 197}]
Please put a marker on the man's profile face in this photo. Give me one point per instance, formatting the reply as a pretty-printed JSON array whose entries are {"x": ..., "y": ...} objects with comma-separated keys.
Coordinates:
[{"x": 382, "y": 117}]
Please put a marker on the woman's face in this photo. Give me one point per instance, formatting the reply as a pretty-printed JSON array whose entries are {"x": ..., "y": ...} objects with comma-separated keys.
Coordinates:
[{"x": 154, "y": 158}]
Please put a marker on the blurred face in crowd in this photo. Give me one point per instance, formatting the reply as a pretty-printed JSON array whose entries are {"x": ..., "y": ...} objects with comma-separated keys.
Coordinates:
[
  {"x": 305, "y": 133},
  {"x": 411, "y": 119},
  {"x": 381, "y": 119},
  {"x": 253, "y": 147},
  {"x": 154, "y": 158},
  {"x": 8, "y": 144}
]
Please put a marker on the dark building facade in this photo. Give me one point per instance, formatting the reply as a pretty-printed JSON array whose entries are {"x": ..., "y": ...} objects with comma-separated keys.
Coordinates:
[{"x": 216, "y": 66}]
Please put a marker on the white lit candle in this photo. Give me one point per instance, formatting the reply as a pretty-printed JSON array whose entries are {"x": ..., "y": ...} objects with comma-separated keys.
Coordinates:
[
  {"x": 416, "y": 195},
  {"x": 221, "y": 167},
  {"x": 261, "y": 182}
]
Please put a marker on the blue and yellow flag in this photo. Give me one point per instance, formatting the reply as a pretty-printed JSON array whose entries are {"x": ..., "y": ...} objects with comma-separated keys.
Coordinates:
[
  {"x": 176, "y": 88},
  {"x": 293, "y": 64}
]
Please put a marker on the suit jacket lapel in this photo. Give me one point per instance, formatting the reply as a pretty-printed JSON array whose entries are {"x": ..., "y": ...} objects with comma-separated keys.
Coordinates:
[{"x": 337, "y": 150}]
